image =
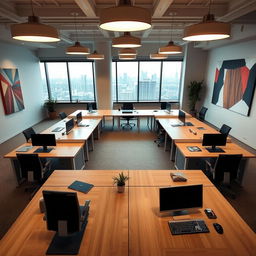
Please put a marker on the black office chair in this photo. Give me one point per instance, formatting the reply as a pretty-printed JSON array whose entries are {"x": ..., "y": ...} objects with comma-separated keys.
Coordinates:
[
  {"x": 201, "y": 114},
  {"x": 65, "y": 216},
  {"x": 160, "y": 134},
  {"x": 92, "y": 106},
  {"x": 163, "y": 105},
  {"x": 225, "y": 129},
  {"x": 128, "y": 106},
  {"x": 62, "y": 115},
  {"x": 28, "y": 132},
  {"x": 33, "y": 171},
  {"x": 224, "y": 172}
]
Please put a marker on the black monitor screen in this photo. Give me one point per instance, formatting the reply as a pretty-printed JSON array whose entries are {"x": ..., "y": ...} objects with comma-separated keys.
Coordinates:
[
  {"x": 182, "y": 197},
  {"x": 43, "y": 140},
  {"x": 168, "y": 106},
  {"x": 79, "y": 117},
  {"x": 182, "y": 116},
  {"x": 213, "y": 140},
  {"x": 69, "y": 125}
]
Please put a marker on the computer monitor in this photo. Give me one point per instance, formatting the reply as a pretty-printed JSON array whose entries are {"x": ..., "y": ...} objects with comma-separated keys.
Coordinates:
[
  {"x": 168, "y": 107},
  {"x": 69, "y": 125},
  {"x": 182, "y": 116},
  {"x": 79, "y": 117},
  {"x": 43, "y": 140},
  {"x": 213, "y": 140},
  {"x": 179, "y": 200}
]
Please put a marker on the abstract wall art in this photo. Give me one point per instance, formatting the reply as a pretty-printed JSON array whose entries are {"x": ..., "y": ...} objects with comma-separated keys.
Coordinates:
[
  {"x": 234, "y": 85},
  {"x": 11, "y": 90}
]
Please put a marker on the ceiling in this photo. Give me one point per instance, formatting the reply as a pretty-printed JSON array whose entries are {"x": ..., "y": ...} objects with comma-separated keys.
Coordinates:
[{"x": 169, "y": 17}]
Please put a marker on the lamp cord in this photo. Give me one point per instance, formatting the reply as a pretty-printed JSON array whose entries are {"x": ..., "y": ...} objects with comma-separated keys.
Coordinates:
[{"x": 32, "y": 7}]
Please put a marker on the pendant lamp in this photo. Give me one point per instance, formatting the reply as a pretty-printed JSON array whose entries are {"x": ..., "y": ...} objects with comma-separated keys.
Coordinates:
[
  {"x": 127, "y": 51},
  {"x": 207, "y": 30},
  {"x": 125, "y": 17},
  {"x": 127, "y": 57},
  {"x": 158, "y": 56},
  {"x": 95, "y": 56},
  {"x": 126, "y": 41}
]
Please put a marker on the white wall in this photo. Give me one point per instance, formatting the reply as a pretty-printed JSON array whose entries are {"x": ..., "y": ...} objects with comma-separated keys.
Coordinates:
[
  {"x": 243, "y": 127},
  {"x": 28, "y": 66}
]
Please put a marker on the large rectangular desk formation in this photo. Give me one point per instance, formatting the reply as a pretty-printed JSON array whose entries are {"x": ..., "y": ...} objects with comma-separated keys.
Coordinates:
[{"x": 129, "y": 223}]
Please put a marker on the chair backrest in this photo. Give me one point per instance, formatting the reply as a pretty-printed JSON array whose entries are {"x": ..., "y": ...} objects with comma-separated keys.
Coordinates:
[
  {"x": 92, "y": 106},
  {"x": 202, "y": 112},
  {"x": 31, "y": 167},
  {"x": 62, "y": 211},
  {"x": 127, "y": 106},
  {"x": 28, "y": 132},
  {"x": 227, "y": 163},
  {"x": 62, "y": 115},
  {"x": 163, "y": 105},
  {"x": 225, "y": 129}
]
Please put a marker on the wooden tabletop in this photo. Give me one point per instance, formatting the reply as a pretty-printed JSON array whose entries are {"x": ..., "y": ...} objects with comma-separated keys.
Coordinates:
[
  {"x": 161, "y": 178},
  {"x": 106, "y": 232},
  {"x": 149, "y": 234},
  {"x": 230, "y": 148},
  {"x": 61, "y": 150},
  {"x": 77, "y": 134},
  {"x": 95, "y": 177}
]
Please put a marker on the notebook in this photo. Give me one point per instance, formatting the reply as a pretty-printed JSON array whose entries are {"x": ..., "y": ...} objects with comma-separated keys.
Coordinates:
[
  {"x": 81, "y": 186},
  {"x": 194, "y": 149},
  {"x": 24, "y": 149}
]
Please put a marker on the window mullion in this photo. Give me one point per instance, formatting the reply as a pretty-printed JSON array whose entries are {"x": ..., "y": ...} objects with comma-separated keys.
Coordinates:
[{"x": 69, "y": 85}]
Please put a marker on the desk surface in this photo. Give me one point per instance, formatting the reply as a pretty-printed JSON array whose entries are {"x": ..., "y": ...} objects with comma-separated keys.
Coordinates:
[
  {"x": 230, "y": 148},
  {"x": 77, "y": 134},
  {"x": 186, "y": 133},
  {"x": 61, "y": 150},
  {"x": 129, "y": 224}
]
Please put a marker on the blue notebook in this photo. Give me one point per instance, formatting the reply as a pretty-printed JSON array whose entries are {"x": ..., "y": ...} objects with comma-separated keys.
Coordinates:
[{"x": 81, "y": 186}]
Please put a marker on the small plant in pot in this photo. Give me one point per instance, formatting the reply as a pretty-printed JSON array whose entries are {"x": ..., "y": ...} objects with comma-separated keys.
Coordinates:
[
  {"x": 50, "y": 106},
  {"x": 193, "y": 95},
  {"x": 120, "y": 182}
]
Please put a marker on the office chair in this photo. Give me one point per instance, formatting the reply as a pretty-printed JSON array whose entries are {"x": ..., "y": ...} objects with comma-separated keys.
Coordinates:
[
  {"x": 28, "y": 132},
  {"x": 201, "y": 114},
  {"x": 160, "y": 134},
  {"x": 65, "y": 216},
  {"x": 127, "y": 106},
  {"x": 33, "y": 171},
  {"x": 224, "y": 172},
  {"x": 225, "y": 129},
  {"x": 62, "y": 115},
  {"x": 92, "y": 106},
  {"x": 163, "y": 105}
]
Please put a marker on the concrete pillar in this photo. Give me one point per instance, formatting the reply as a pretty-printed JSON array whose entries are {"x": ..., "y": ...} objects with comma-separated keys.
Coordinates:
[{"x": 103, "y": 76}]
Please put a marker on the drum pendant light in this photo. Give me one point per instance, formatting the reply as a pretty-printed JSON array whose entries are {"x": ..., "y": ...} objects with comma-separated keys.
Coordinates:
[
  {"x": 95, "y": 56},
  {"x": 126, "y": 41}
]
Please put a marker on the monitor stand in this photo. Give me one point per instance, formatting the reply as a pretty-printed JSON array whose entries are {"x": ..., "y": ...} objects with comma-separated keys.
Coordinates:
[
  {"x": 43, "y": 150},
  {"x": 215, "y": 149},
  {"x": 66, "y": 245}
]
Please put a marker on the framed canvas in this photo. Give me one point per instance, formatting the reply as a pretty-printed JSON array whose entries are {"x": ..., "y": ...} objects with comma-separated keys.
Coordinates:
[
  {"x": 234, "y": 85},
  {"x": 11, "y": 90}
]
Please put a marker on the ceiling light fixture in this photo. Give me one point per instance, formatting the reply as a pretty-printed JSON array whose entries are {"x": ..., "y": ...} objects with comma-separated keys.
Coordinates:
[
  {"x": 125, "y": 17},
  {"x": 207, "y": 30},
  {"x": 95, "y": 56},
  {"x": 127, "y": 51},
  {"x": 34, "y": 31},
  {"x": 126, "y": 41},
  {"x": 77, "y": 48},
  {"x": 127, "y": 57},
  {"x": 170, "y": 48},
  {"x": 158, "y": 56}
]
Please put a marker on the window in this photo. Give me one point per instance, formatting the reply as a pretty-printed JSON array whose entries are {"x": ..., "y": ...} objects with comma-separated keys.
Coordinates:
[
  {"x": 146, "y": 81},
  {"x": 68, "y": 81},
  {"x": 43, "y": 76}
]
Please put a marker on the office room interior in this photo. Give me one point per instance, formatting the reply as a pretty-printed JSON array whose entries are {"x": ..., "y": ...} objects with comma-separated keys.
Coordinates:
[{"x": 199, "y": 61}]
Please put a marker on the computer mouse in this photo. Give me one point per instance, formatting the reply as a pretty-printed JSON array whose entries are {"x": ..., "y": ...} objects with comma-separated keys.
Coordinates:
[{"x": 218, "y": 228}]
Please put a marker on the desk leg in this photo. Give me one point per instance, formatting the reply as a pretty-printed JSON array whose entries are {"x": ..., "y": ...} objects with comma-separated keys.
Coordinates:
[
  {"x": 78, "y": 162},
  {"x": 138, "y": 123},
  {"x": 113, "y": 122},
  {"x": 173, "y": 149},
  {"x": 165, "y": 141},
  {"x": 241, "y": 169},
  {"x": 118, "y": 122},
  {"x": 86, "y": 151},
  {"x": 92, "y": 142}
]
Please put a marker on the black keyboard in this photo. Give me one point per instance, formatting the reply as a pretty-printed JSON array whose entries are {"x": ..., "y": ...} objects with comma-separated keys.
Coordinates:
[
  {"x": 188, "y": 227},
  {"x": 58, "y": 129}
]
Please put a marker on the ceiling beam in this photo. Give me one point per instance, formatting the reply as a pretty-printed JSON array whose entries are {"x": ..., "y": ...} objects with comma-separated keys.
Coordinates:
[
  {"x": 161, "y": 7},
  {"x": 88, "y": 7},
  {"x": 10, "y": 13}
]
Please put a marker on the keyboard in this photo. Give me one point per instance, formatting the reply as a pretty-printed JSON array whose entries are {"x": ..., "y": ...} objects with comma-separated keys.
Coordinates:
[
  {"x": 188, "y": 227},
  {"x": 188, "y": 124},
  {"x": 58, "y": 129},
  {"x": 127, "y": 111}
]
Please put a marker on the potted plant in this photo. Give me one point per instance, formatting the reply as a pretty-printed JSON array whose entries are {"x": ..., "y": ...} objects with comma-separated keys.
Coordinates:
[
  {"x": 193, "y": 95},
  {"x": 50, "y": 106},
  {"x": 120, "y": 182}
]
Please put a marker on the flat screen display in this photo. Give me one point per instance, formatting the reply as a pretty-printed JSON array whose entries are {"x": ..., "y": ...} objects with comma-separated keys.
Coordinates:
[
  {"x": 79, "y": 117},
  {"x": 43, "y": 140},
  {"x": 168, "y": 106},
  {"x": 69, "y": 125},
  {"x": 182, "y": 116},
  {"x": 211, "y": 139},
  {"x": 181, "y": 197}
]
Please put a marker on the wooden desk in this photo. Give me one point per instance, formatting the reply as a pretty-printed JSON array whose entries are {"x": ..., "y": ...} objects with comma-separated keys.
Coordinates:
[
  {"x": 106, "y": 232},
  {"x": 149, "y": 234},
  {"x": 71, "y": 156},
  {"x": 161, "y": 178},
  {"x": 77, "y": 134},
  {"x": 184, "y": 133},
  {"x": 99, "y": 178},
  {"x": 186, "y": 159}
]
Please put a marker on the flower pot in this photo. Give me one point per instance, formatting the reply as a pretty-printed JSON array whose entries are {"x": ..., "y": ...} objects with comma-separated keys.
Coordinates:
[
  {"x": 52, "y": 115},
  {"x": 120, "y": 189}
]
